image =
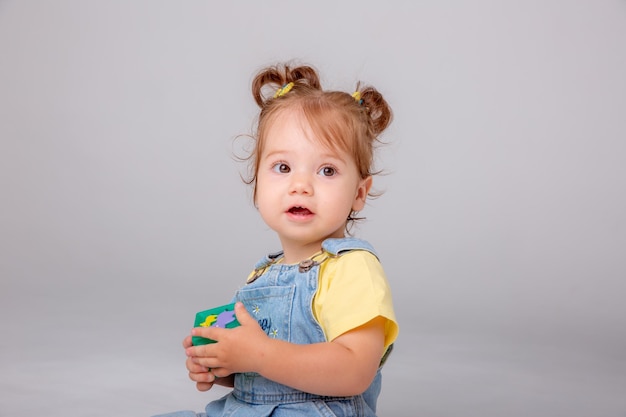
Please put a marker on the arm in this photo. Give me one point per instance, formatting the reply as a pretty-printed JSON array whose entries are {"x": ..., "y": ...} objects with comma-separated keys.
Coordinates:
[{"x": 345, "y": 366}]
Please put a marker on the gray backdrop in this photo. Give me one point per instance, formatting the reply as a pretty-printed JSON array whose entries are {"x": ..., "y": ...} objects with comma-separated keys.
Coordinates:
[{"x": 501, "y": 227}]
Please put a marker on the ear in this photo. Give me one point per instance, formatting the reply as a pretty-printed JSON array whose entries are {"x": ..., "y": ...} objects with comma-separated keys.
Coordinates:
[{"x": 361, "y": 193}]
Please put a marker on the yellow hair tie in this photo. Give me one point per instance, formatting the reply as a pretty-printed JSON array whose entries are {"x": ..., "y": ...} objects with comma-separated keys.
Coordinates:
[
  {"x": 357, "y": 97},
  {"x": 283, "y": 90}
]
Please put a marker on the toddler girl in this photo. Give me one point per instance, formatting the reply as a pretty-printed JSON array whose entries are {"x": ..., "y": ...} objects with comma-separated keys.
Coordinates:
[{"x": 317, "y": 318}]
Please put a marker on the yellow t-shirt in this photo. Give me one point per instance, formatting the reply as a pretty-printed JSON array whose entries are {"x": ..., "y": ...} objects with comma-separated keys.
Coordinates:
[{"x": 353, "y": 290}]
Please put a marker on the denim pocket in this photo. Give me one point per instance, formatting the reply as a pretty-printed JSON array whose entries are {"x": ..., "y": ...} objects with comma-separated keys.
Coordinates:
[{"x": 271, "y": 307}]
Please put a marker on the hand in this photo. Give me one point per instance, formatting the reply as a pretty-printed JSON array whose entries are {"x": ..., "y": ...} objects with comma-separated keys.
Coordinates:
[
  {"x": 202, "y": 376},
  {"x": 237, "y": 349}
]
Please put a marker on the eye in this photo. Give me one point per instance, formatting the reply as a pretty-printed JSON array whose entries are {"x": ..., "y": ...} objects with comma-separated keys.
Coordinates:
[
  {"x": 281, "y": 168},
  {"x": 327, "y": 171}
]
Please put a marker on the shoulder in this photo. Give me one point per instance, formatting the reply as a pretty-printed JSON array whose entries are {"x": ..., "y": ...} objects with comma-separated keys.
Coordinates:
[
  {"x": 351, "y": 270},
  {"x": 345, "y": 245},
  {"x": 356, "y": 261},
  {"x": 350, "y": 258}
]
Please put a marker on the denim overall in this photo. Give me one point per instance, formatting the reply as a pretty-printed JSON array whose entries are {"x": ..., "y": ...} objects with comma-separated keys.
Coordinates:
[{"x": 280, "y": 297}]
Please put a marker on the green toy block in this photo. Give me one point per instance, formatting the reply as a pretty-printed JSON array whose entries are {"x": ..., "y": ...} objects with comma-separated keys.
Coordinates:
[{"x": 223, "y": 316}]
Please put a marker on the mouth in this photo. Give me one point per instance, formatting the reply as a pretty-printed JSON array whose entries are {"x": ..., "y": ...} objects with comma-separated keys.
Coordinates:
[{"x": 299, "y": 211}]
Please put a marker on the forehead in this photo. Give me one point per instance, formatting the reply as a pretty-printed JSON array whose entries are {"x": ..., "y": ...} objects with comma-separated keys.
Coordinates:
[
  {"x": 288, "y": 121},
  {"x": 293, "y": 125}
]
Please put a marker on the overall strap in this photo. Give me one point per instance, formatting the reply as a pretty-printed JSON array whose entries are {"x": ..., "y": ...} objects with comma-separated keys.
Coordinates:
[
  {"x": 336, "y": 246},
  {"x": 268, "y": 260},
  {"x": 332, "y": 246}
]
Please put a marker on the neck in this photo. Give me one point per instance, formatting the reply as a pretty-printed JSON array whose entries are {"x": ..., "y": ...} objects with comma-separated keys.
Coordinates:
[
  {"x": 294, "y": 253},
  {"x": 297, "y": 256}
]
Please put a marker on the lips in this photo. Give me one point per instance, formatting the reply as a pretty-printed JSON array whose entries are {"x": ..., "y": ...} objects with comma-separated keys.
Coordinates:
[{"x": 299, "y": 211}]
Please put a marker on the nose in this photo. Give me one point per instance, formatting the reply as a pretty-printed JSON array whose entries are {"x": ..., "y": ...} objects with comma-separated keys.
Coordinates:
[{"x": 300, "y": 184}]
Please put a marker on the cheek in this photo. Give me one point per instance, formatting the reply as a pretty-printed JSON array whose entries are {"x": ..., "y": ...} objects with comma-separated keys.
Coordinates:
[
  {"x": 261, "y": 186},
  {"x": 340, "y": 200},
  {"x": 264, "y": 208},
  {"x": 266, "y": 197}
]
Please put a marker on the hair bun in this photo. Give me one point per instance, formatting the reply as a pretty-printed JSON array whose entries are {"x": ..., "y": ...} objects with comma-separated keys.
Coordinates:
[
  {"x": 275, "y": 77},
  {"x": 377, "y": 108}
]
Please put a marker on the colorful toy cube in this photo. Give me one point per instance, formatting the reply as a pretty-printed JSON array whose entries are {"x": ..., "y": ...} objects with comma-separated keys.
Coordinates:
[{"x": 223, "y": 316}]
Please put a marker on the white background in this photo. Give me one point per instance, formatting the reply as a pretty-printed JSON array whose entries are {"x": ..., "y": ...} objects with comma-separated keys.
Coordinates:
[{"x": 501, "y": 228}]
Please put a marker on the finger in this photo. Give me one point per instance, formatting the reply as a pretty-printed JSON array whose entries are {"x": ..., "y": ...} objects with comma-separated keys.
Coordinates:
[
  {"x": 192, "y": 366},
  {"x": 213, "y": 333},
  {"x": 242, "y": 315},
  {"x": 204, "y": 376},
  {"x": 187, "y": 342},
  {"x": 220, "y": 372},
  {"x": 205, "y": 363},
  {"x": 198, "y": 350},
  {"x": 204, "y": 386}
]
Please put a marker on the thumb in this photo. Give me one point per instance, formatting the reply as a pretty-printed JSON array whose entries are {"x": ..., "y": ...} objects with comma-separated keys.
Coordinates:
[{"x": 243, "y": 317}]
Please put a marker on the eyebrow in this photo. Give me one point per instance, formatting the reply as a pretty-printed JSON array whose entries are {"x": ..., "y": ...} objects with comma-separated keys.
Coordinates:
[{"x": 325, "y": 155}]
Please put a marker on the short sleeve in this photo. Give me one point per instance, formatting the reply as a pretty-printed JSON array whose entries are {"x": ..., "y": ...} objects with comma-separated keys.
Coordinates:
[{"x": 353, "y": 290}]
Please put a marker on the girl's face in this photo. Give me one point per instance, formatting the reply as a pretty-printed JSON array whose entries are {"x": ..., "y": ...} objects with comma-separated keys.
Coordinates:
[{"x": 304, "y": 190}]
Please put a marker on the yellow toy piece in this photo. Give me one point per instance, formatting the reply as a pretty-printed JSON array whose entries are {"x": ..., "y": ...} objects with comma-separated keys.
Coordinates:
[{"x": 209, "y": 320}]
